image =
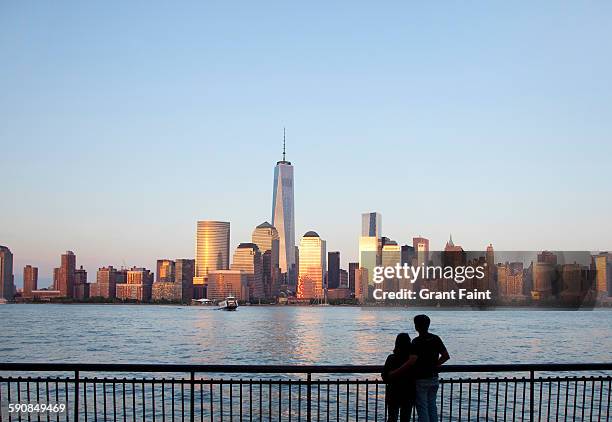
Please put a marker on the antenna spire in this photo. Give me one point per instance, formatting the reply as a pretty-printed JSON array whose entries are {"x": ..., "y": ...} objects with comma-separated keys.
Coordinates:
[{"x": 283, "y": 144}]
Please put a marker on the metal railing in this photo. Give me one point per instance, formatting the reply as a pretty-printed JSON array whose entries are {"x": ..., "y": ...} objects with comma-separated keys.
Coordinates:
[{"x": 126, "y": 392}]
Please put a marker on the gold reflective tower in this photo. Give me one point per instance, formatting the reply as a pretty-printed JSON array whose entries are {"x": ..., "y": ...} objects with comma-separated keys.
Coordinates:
[{"x": 212, "y": 247}]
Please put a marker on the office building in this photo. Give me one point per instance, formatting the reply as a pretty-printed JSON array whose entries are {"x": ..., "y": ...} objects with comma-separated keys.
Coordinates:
[
  {"x": 333, "y": 270},
  {"x": 283, "y": 218},
  {"x": 603, "y": 275},
  {"x": 66, "y": 274},
  {"x": 421, "y": 250},
  {"x": 184, "y": 271},
  {"x": 105, "y": 286},
  {"x": 265, "y": 236},
  {"x": 165, "y": 271},
  {"x": 30, "y": 281},
  {"x": 407, "y": 255},
  {"x": 7, "y": 285},
  {"x": 247, "y": 259},
  {"x": 225, "y": 283},
  {"x": 510, "y": 278},
  {"x": 212, "y": 249},
  {"x": 353, "y": 266},
  {"x": 81, "y": 287},
  {"x": 371, "y": 224},
  {"x": 344, "y": 279},
  {"x": 369, "y": 255},
  {"x": 391, "y": 255},
  {"x": 137, "y": 287},
  {"x": 312, "y": 267},
  {"x": 361, "y": 285}
]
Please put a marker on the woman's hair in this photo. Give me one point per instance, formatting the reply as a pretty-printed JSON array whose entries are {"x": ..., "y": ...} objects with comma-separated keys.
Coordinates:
[{"x": 402, "y": 344}]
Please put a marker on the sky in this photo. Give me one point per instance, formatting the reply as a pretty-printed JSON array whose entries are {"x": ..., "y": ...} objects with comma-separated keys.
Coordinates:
[{"x": 123, "y": 123}]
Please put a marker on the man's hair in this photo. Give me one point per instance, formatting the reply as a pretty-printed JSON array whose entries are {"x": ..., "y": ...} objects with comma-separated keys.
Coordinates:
[{"x": 421, "y": 322}]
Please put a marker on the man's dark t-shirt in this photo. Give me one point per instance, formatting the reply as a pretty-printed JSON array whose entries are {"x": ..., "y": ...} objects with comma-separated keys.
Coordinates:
[{"x": 428, "y": 348}]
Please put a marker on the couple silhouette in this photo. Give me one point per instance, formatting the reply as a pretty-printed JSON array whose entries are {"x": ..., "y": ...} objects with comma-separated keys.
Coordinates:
[{"x": 411, "y": 374}]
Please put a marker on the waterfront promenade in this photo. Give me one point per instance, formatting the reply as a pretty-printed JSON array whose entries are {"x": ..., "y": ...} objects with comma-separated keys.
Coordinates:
[{"x": 132, "y": 392}]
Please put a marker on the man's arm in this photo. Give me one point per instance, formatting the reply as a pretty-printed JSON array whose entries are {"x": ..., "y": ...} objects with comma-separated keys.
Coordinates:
[{"x": 444, "y": 356}]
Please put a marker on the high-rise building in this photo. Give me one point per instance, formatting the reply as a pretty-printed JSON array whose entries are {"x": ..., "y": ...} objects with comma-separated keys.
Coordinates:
[
  {"x": 56, "y": 273},
  {"x": 344, "y": 279},
  {"x": 407, "y": 254},
  {"x": 247, "y": 258},
  {"x": 603, "y": 275},
  {"x": 543, "y": 277},
  {"x": 391, "y": 255},
  {"x": 81, "y": 286},
  {"x": 66, "y": 274},
  {"x": 105, "y": 286},
  {"x": 7, "y": 285},
  {"x": 224, "y": 283},
  {"x": 421, "y": 250},
  {"x": 184, "y": 270},
  {"x": 137, "y": 287},
  {"x": 353, "y": 267},
  {"x": 165, "y": 271},
  {"x": 371, "y": 224},
  {"x": 212, "y": 248},
  {"x": 283, "y": 218},
  {"x": 510, "y": 280},
  {"x": 454, "y": 255},
  {"x": 333, "y": 270},
  {"x": 369, "y": 254},
  {"x": 361, "y": 285},
  {"x": 265, "y": 236},
  {"x": 312, "y": 267},
  {"x": 30, "y": 280}
]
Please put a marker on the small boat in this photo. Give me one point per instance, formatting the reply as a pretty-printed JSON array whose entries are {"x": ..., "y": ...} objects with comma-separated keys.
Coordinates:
[
  {"x": 202, "y": 302},
  {"x": 229, "y": 304}
]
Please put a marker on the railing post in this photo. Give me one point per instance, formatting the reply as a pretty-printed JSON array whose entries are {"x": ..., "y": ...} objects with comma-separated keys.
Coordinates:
[
  {"x": 531, "y": 394},
  {"x": 308, "y": 396},
  {"x": 76, "y": 396},
  {"x": 192, "y": 398}
]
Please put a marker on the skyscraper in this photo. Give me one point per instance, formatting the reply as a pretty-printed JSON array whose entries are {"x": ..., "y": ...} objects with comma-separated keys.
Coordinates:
[
  {"x": 370, "y": 243},
  {"x": 391, "y": 255},
  {"x": 353, "y": 267},
  {"x": 371, "y": 224},
  {"x": 265, "y": 236},
  {"x": 333, "y": 270},
  {"x": 66, "y": 274},
  {"x": 247, "y": 258},
  {"x": 105, "y": 286},
  {"x": 30, "y": 280},
  {"x": 138, "y": 285},
  {"x": 184, "y": 270},
  {"x": 81, "y": 286},
  {"x": 312, "y": 266},
  {"x": 165, "y": 271},
  {"x": 212, "y": 247},
  {"x": 283, "y": 218},
  {"x": 6, "y": 273},
  {"x": 421, "y": 250}
]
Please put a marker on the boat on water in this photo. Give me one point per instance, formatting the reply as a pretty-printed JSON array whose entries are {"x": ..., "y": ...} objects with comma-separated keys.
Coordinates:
[
  {"x": 202, "y": 302},
  {"x": 229, "y": 304}
]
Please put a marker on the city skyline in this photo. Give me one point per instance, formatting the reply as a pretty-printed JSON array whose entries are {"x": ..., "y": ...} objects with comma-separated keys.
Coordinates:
[{"x": 116, "y": 137}]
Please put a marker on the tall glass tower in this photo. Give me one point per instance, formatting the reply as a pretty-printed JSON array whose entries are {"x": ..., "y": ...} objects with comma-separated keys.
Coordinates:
[{"x": 283, "y": 215}]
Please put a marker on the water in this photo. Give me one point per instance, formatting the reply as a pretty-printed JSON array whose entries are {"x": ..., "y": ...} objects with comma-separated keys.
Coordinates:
[{"x": 292, "y": 335}]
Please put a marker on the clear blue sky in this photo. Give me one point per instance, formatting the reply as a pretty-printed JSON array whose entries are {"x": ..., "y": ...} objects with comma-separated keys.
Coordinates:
[{"x": 122, "y": 123}]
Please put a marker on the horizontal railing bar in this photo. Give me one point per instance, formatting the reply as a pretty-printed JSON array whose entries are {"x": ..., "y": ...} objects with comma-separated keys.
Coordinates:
[
  {"x": 294, "y": 382},
  {"x": 291, "y": 369}
]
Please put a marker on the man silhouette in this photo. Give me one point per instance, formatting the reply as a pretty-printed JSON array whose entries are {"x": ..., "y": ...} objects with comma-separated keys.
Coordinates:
[{"x": 431, "y": 353}]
